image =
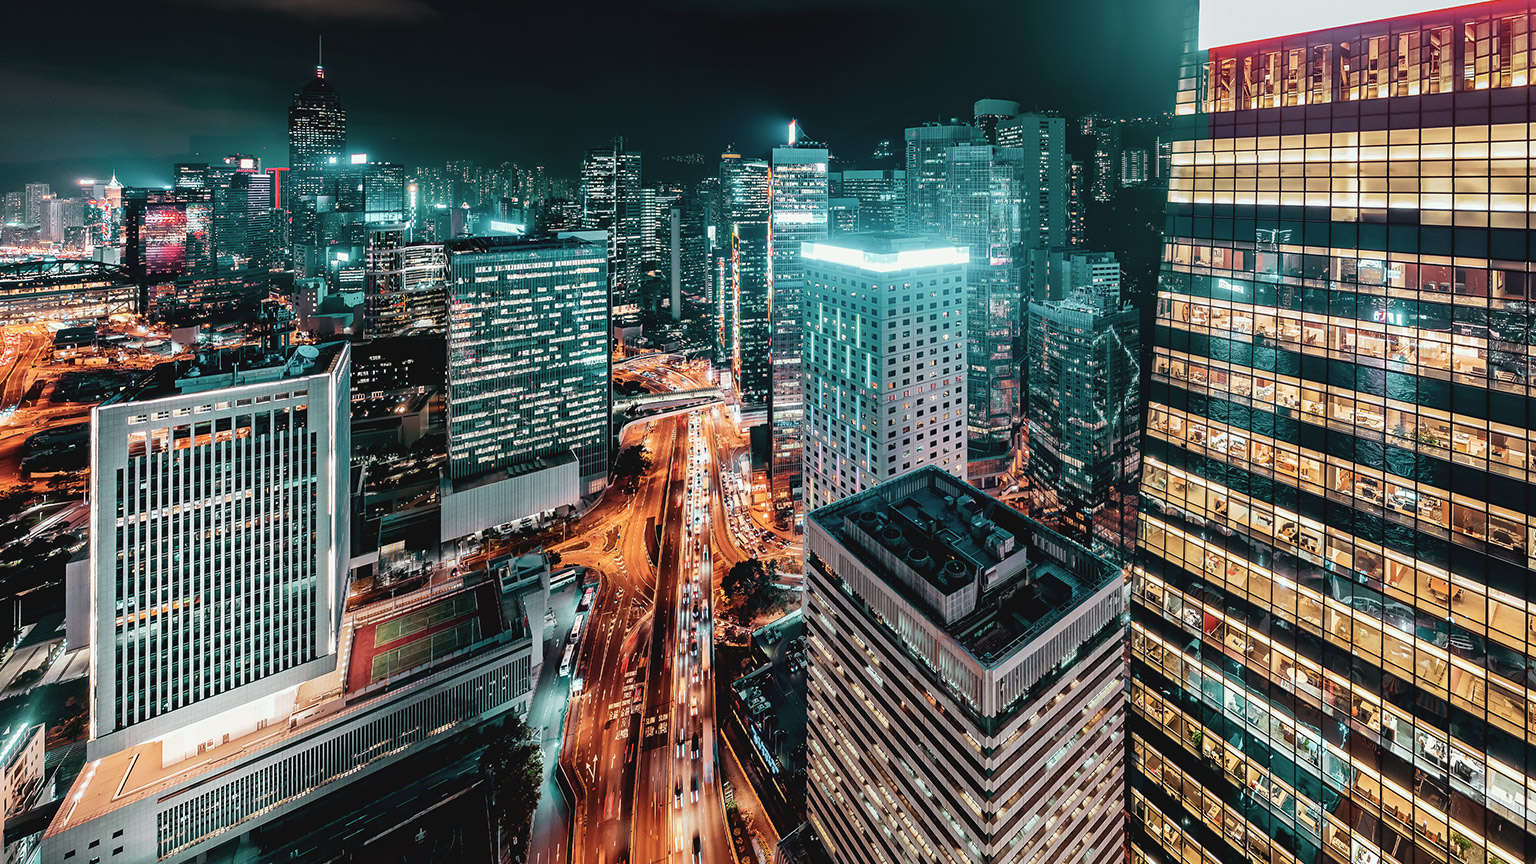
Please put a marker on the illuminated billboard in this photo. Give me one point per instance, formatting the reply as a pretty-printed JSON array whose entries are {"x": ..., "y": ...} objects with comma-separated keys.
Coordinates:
[
  {"x": 1231, "y": 22},
  {"x": 165, "y": 239}
]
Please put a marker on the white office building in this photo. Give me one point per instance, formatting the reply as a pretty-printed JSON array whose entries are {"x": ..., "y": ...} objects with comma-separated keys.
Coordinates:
[
  {"x": 219, "y": 548},
  {"x": 885, "y": 361},
  {"x": 966, "y": 684}
]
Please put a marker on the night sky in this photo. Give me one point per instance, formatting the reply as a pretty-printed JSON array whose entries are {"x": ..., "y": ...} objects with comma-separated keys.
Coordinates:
[{"x": 92, "y": 85}]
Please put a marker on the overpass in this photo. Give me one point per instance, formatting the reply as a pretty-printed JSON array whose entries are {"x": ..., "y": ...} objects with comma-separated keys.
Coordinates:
[
  {"x": 629, "y": 410},
  {"x": 666, "y": 399}
]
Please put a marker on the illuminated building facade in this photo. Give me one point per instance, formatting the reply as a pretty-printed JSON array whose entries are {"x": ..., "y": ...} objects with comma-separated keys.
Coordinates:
[
  {"x": 1042, "y": 138},
  {"x": 1077, "y": 205},
  {"x": 317, "y": 135},
  {"x": 799, "y": 210},
  {"x": 965, "y": 698},
  {"x": 884, "y": 360},
  {"x": 989, "y": 199},
  {"x": 406, "y": 284},
  {"x": 1332, "y": 633},
  {"x": 611, "y": 201},
  {"x": 54, "y": 290},
  {"x": 528, "y": 358},
  {"x": 219, "y": 544}
]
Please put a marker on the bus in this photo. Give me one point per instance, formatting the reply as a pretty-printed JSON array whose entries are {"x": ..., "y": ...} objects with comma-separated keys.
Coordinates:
[
  {"x": 565, "y": 662},
  {"x": 576, "y": 628},
  {"x": 586, "y": 600}
]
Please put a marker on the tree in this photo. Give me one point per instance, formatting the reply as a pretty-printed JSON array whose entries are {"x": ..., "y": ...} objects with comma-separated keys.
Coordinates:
[
  {"x": 513, "y": 763},
  {"x": 631, "y": 463},
  {"x": 746, "y": 579}
]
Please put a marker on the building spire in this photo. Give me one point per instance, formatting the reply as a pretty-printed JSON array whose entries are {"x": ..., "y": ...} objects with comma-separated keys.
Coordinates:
[{"x": 319, "y": 56}]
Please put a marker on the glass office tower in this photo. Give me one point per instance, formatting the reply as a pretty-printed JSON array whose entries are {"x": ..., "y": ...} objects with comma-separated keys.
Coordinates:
[
  {"x": 528, "y": 357},
  {"x": 797, "y": 213},
  {"x": 1331, "y": 637},
  {"x": 989, "y": 201}
]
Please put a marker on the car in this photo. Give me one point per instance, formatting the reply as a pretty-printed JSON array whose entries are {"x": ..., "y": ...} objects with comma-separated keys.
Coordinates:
[
  {"x": 693, "y": 707},
  {"x": 680, "y": 737},
  {"x": 697, "y": 849},
  {"x": 695, "y": 796},
  {"x": 696, "y": 745},
  {"x": 677, "y": 795}
]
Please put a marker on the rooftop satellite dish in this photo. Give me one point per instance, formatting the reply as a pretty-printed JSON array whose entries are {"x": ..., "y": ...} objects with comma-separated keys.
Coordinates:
[{"x": 309, "y": 352}]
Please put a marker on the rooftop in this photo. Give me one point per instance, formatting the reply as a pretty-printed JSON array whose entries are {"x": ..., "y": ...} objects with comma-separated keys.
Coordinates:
[
  {"x": 233, "y": 367},
  {"x": 880, "y": 252},
  {"x": 990, "y": 577},
  {"x": 514, "y": 243}
]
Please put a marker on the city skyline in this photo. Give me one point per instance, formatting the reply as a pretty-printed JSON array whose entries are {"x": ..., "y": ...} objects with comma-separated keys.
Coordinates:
[
  {"x": 798, "y": 431},
  {"x": 197, "y": 102}
]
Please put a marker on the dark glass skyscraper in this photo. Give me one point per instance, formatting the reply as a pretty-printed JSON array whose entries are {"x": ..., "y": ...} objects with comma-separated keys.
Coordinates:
[{"x": 1332, "y": 629}]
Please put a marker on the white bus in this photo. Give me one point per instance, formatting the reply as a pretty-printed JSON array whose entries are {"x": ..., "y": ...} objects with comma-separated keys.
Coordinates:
[{"x": 565, "y": 662}]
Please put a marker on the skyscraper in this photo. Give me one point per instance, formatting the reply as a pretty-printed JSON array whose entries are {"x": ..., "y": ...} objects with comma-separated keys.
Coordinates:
[
  {"x": 1042, "y": 138},
  {"x": 220, "y": 512},
  {"x": 927, "y": 172},
  {"x": 882, "y": 197},
  {"x": 611, "y": 201},
  {"x": 742, "y": 200},
  {"x": 751, "y": 296},
  {"x": 32, "y": 197},
  {"x": 317, "y": 134},
  {"x": 799, "y": 210},
  {"x": 987, "y": 113},
  {"x": 528, "y": 330},
  {"x": 1331, "y": 643},
  {"x": 1084, "y": 416},
  {"x": 989, "y": 197},
  {"x": 1134, "y": 168},
  {"x": 965, "y": 698},
  {"x": 884, "y": 360},
  {"x": 1077, "y": 205}
]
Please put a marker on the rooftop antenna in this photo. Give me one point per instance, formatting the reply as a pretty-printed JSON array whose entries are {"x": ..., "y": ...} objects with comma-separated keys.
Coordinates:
[{"x": 319, "y": 56}]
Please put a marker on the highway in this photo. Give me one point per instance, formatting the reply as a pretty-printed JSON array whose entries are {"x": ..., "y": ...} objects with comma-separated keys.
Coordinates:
[{"x": 640, "y": 733}]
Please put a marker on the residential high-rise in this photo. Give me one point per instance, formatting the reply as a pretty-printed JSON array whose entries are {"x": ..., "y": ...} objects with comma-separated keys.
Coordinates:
[
  {"x": 528, "y": 332},
  {"x": 884, "y": 359},
  {"x": 1043, "y": 140},
  {"x": 220, "y": 511},
  {"x": 1077, "y": 205},
  {"x": 990, "y": 196},
  {"x": 317, "y": 135},
  {"x": 965, "y": 698},
  {"x": 58, "y": 215},
  {"x": 406, "y": 283},
  {"x": 798, "y": 213},
  {"x": 1134, "y": 167},
  {"x": 611, "y": 201},
  {"x": 751, "y": 274},
  {"x": 1084, "y": 415},
  {"x": 882, "y": 197},
  {"x": 1332, "y": 629},
  {"x": 1106, "y": 157},
  {"x": 32, "y": 197},
  {"x": 927, "y": 172}
]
